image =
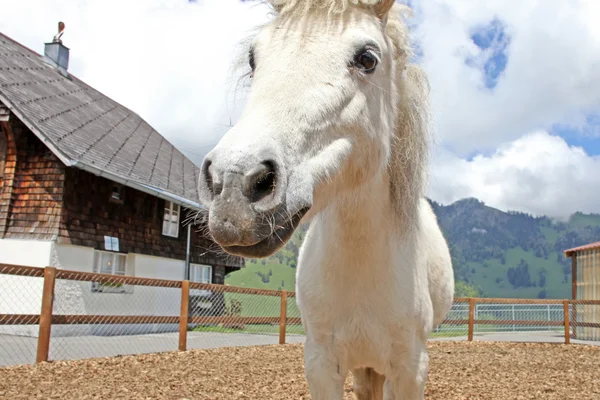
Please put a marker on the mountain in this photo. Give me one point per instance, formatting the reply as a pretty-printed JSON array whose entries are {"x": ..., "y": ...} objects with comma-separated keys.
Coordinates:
[{"x": 495, "y": 253}]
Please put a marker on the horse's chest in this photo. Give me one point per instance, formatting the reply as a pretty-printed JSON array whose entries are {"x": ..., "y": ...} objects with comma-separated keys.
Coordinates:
[{"x": 356, "y": 315}]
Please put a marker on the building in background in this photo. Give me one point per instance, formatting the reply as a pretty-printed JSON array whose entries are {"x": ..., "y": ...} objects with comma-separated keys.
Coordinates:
[
  {"x": 585, "y": 272},
  {"x": 88, "y": 185}
]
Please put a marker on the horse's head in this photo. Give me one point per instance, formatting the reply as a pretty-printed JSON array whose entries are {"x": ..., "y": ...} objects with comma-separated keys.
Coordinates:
[{"x": 318, "y": 121}]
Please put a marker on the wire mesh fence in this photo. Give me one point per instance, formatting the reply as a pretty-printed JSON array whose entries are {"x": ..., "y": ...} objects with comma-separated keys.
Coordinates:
[
  {"x": 229, "y": 316},
  {"x": 20, "y": 303},
  {"x": 524, "y": 317},
  {"x": 585, "y": 320},
  {"x": 456, "y": 323},
  {"x": 50, "y": 314},
  {"x": 111, "y": 316}
]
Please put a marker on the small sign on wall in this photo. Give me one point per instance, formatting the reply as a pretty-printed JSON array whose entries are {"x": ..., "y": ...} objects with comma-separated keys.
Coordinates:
[{"x": 111, "y": 243}]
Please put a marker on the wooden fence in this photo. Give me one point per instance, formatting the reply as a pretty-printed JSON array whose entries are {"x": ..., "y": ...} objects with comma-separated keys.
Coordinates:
[{"x": 46, "y": 319}]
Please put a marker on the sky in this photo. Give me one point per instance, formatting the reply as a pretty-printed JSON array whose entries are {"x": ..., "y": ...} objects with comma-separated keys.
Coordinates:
[{"x": 515, "y": 85}]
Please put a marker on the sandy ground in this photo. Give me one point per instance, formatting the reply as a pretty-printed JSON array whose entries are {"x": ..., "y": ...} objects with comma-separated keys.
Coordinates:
[{"x": 459, "y": 370}]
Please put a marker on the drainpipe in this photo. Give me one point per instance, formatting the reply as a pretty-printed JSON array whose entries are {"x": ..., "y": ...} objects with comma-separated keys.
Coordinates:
[{"x": 187, "y": 254}]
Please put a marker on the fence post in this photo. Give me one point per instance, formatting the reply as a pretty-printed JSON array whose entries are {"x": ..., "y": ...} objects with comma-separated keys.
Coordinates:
[
  {"x": 567, "y": 323},
  {"x": 574, "y": 292},
  {"x": 183, "y": 316},
  {"x": 471, "y": 318},
  {"x": 283, "y": 317},
  {"x": 43, "y": 347},
  {"x": 513, "y": 316}
]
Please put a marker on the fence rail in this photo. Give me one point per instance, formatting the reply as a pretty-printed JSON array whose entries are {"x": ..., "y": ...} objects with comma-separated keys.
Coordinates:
[{"x": 466, "y": 316}]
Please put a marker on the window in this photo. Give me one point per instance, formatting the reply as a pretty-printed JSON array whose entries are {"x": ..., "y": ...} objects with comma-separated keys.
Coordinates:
[
  {"x": 116, "y": 194},
  {"x": 202, "y": 274},
  {"x": 171, "y": 219},
  {"x": 106, "y": 262}
]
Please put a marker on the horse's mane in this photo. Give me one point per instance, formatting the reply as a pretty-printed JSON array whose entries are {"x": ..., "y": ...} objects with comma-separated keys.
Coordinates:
[{"x": 410, "y": 144}]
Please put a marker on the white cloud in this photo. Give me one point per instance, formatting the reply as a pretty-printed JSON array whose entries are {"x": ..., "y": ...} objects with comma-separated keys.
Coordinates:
[
  {"x": 552, "y": 75},
  {"x": 167, "y": 60},
  {"x": 537, "y": 173}
]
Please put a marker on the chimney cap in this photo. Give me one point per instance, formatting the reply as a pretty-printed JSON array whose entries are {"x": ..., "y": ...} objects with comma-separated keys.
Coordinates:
[{"x": 61, "y": 30}]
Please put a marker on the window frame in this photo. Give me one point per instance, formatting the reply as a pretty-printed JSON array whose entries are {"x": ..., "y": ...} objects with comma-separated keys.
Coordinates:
[
  {"x": 194, "y": 276},
  {"x": 119, "y": 191},
  {"x": 202, "y": 267},
  {"x": 170, "y": 208},
  {"x": 100, "y": 287}
]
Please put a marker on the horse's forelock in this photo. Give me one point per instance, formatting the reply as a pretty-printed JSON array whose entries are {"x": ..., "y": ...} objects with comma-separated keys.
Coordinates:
[{"x": 331, "y": 6}]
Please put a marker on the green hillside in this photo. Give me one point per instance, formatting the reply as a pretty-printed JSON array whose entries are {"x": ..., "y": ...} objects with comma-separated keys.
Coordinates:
[
  {"x": 277, "y": 272},
  {"x": 499, "y": 254}
]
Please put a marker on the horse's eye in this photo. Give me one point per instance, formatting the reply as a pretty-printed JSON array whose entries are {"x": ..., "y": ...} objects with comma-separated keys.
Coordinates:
[
  {"x": 366, "y": 61},
  {"x": 251, "y": 59}
]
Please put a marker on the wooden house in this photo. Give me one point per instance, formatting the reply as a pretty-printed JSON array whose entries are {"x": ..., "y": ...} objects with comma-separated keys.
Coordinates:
[{"x": 87, "y": 184}]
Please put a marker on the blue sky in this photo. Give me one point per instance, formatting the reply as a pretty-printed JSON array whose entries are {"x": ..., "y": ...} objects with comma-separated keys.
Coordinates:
[
  {"x": 492, "y": 37},
  {"x": 515, "y": 91}
]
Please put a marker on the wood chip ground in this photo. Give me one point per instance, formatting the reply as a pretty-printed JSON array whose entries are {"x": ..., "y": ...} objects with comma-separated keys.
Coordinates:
[{"x": 459, "y": 371}]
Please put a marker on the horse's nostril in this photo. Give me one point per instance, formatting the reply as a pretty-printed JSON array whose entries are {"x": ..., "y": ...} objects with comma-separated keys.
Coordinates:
[
  {"x": 260, "y": 182},
  {"x": 207, "y": 174}
]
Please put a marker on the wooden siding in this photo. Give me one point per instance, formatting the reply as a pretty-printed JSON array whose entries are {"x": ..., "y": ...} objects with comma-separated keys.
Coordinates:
[
  {"x": 90, "y": 214},
  {"x": 31, "y": 200},
  {"x": 588, "y": 288}
]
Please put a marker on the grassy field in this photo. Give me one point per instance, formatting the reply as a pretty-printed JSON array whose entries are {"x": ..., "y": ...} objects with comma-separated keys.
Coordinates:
[
  {"x": 491, "y": 276},
  {"x": 262, "y": 306},
  {"x": 253, "y": 328}
]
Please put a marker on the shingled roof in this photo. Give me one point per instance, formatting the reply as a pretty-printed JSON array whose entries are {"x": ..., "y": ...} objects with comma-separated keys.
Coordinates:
[{"x": 89, "y": 130}]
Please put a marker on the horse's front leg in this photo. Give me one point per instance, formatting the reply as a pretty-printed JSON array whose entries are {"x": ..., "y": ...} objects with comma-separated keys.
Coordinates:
[
  {"x": 325, "y": 370},
  {"x": 408, "y": 372}
]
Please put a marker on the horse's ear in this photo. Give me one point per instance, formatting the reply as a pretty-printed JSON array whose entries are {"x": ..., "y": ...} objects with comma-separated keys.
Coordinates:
[{"x": 383, "y": 7}]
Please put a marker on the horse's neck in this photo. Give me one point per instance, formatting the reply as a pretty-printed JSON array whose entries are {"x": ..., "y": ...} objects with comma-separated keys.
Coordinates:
[{"x": 360, "y": 223}]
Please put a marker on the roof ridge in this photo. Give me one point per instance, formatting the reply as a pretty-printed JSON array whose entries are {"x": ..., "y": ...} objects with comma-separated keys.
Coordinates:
[{"x": 20, "y": 44}]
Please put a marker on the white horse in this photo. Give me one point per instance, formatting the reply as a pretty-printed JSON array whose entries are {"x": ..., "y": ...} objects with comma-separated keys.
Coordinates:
[{"x": 335, "y": 131}]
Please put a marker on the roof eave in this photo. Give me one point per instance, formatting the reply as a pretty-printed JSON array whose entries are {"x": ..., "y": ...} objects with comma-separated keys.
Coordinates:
[
  {"x": 138, "y": 186},
  {"x": 575, "y": 250}
]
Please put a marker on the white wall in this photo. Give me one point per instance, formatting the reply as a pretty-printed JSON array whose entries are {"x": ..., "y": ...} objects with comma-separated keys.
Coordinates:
[
  {"x": 21, "y": 294},
  {"x": 72, "y": 297}
]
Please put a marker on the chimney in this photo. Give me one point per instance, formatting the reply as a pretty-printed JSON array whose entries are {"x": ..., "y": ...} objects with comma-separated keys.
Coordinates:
[{"x": 57, "y": 53}]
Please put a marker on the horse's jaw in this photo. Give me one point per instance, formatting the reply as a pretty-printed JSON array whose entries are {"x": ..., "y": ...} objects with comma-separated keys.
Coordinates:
[{"x": 273, "y": 242}]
